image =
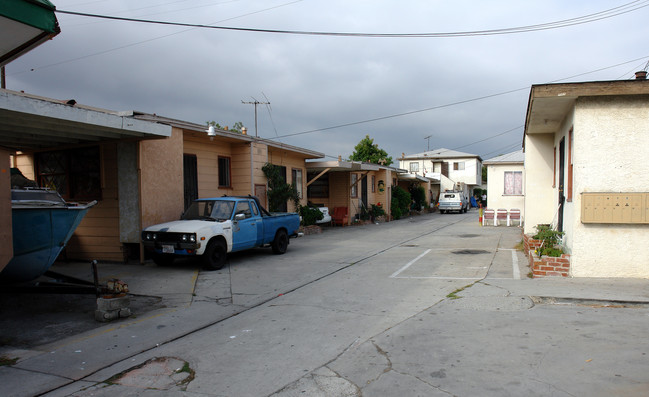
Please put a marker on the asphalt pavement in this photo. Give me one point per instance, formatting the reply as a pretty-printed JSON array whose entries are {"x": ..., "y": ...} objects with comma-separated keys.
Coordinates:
[{"x": 429, "y": 305}]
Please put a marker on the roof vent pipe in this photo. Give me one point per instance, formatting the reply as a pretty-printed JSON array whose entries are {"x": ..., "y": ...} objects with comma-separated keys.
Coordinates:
[{"x": 641, "y": 75}]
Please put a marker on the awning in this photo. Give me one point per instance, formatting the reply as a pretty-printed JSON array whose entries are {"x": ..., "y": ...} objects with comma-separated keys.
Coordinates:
[
  {"x": 413, "y": 178},
  {"x": 25, "y": 24}
]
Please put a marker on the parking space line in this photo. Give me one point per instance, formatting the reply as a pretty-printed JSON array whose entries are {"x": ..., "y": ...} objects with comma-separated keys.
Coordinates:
[
  {"x": 395, "y": 274},
  {"x": 516, "y": 271}
]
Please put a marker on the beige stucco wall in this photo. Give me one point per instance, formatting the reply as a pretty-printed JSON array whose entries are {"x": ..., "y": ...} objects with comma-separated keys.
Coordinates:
[
  {"x": 161, "y": 179},
  {"x": 6, "y": 247},
  {"x": 540, "y": 200},
  {"x": 496, "y": 198},
  {"x": 610, "y": 140}
]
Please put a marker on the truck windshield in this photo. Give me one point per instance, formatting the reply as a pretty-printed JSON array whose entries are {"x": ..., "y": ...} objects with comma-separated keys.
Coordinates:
[{"x": 220, "y": 210}]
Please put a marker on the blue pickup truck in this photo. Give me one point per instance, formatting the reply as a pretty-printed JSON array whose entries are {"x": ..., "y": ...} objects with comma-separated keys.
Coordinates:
[{"x": 212, "y": 227}]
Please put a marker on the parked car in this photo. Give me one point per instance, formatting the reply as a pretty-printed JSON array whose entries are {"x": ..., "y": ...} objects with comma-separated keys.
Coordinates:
[
  {"x": 210, "y": 228},
  {"x": 453, "y": 201},
  {"x": 326, "y": 218}
]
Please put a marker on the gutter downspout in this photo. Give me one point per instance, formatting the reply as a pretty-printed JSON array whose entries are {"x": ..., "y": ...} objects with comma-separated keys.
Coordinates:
[{"x": 252, "y": 180}]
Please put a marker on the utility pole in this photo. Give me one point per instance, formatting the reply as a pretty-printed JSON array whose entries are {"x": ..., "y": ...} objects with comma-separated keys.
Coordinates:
[
  {"x": 256, "y": 102},
  {"x": 428, "y": 138}
]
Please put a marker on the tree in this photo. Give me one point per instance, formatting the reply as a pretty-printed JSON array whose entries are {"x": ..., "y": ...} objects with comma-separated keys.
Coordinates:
[
  {"x": 237, "y": 127},
  {"x": 368, "y": 151}
]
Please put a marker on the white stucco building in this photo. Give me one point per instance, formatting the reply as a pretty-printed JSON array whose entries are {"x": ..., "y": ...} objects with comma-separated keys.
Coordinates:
[
  {"x": 448, "y": 169},
  {"x": 586, "y": 148},
  {"x": 506, "y": 181}
]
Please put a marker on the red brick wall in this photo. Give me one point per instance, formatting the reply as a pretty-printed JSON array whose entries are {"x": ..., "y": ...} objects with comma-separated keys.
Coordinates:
[{"x": 545, "y": 266}]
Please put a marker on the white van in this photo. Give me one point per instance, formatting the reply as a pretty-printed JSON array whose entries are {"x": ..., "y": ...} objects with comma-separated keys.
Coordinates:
[{"x": 453, "y": 201}]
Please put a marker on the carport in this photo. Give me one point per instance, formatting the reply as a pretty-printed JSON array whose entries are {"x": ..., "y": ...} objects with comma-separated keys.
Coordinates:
[
  {"x": 30, "y": 124},
  {"x": 351, "y": 184}
]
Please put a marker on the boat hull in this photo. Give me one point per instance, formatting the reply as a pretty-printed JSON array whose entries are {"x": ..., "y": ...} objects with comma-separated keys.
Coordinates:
[{"x": 39, "y": 236}]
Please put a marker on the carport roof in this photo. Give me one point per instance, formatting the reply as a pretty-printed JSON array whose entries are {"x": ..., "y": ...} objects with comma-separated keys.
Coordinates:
[
  {"x": 413, "y": 177},
  {"x": 350, "y": 166},
  {"x": 30, "y": 123},
  {"x": 549, "y": 104}
]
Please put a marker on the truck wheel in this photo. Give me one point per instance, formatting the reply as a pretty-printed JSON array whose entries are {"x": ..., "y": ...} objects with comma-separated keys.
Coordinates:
[
  {"x": 214, "y": 256},
  {"x": 280, "y": 243},
  {"x": 163, "y": 260}
]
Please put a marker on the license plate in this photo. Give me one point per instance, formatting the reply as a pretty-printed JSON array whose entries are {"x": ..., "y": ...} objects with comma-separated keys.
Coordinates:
[{"x": 168, "y": 249}]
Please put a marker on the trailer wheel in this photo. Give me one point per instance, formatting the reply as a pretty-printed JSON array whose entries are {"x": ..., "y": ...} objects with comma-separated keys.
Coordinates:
[
  {"x": 280, "y": 243},
  {"x": 214, "y": 256}
]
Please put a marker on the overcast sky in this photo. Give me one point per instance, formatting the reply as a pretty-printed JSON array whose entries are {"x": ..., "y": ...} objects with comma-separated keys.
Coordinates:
[{"x": 317, "y": 82}]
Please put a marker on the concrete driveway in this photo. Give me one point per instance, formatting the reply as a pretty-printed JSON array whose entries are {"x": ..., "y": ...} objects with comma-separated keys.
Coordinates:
[{"x": 431, "y": 305}]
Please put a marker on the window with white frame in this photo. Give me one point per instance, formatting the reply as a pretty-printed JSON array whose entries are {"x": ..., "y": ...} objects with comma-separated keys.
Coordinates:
[
  {"x": 458, "y": 166},
  {"x": 414, "y": 167},
  {"x": 514, "y": 182},
  {"x": 296, "y": 180}
]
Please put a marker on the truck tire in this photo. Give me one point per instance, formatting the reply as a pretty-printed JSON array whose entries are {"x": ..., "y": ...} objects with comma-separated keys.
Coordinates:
[
  {"x": 280, "y": 243},
  {"x": 214, "y": 256}
]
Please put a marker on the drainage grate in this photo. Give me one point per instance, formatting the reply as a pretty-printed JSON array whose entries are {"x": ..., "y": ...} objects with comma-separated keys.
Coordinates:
[
  {"x": 410, "y": 245},
  {"x": 468, "y": 235},
  {"x": 470, "y": 252}
]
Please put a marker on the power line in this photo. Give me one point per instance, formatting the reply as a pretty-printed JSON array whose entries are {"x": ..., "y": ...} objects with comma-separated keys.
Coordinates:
[
  {"x": 151, "y": 39},
  {"x": 609, "y": 13},
  {"x": 451, "y": 104}
]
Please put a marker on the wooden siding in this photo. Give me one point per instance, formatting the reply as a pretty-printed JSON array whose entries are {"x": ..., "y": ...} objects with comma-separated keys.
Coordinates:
[
  {"x": 97, "y": 236},
  {"x": 291, "y": 161},
  {"x": 340, "y": 192},
  {"x": 241, "y": 169}
]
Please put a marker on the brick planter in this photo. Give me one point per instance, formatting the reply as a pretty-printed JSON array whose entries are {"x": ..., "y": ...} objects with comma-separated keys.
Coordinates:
[
  {"x": 549, "y": 266},
  {"x": 530, "y": 244},
  {"x": 545, "y": 266},
  {"x": 308, "y": 230}
]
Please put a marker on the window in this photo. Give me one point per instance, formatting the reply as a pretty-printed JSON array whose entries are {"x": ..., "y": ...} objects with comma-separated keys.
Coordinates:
[
  {"x": 414, "y": 167},
  {"x": 513, "y": 182},
  {"x": 354, "y": 190},
  {"x": 75, "y": 174},
  {"x": 458, "y": 166},
  {"x": 373, "y": 183},
  {"x": 243, "y": 207},
  {"x": 224, "y": 172},
  {"x": 296, "y": 180},
  {"x": 318, "y": 188}
]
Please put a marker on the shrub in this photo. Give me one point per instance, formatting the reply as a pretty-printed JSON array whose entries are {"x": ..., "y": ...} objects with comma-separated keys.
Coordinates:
[
  {"x": 549, "y": 239},
  {"x": 377, "y": 210},
  {"x": 400, "y": 202},
  {"x": 418, "y": 194},
  {"x": 310, "y": 215}
]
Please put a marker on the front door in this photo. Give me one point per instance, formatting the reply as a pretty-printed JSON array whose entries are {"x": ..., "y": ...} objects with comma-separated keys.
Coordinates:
[
  {"x": 562, "y": 198},
  {"x": 244, "y": 231},
  {"x": 364, "y": 191},
  {"x": 190, "y": 178}
]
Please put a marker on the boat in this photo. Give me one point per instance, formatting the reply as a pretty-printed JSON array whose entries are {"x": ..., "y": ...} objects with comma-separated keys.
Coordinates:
[{"x": 42, "y": 223}]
